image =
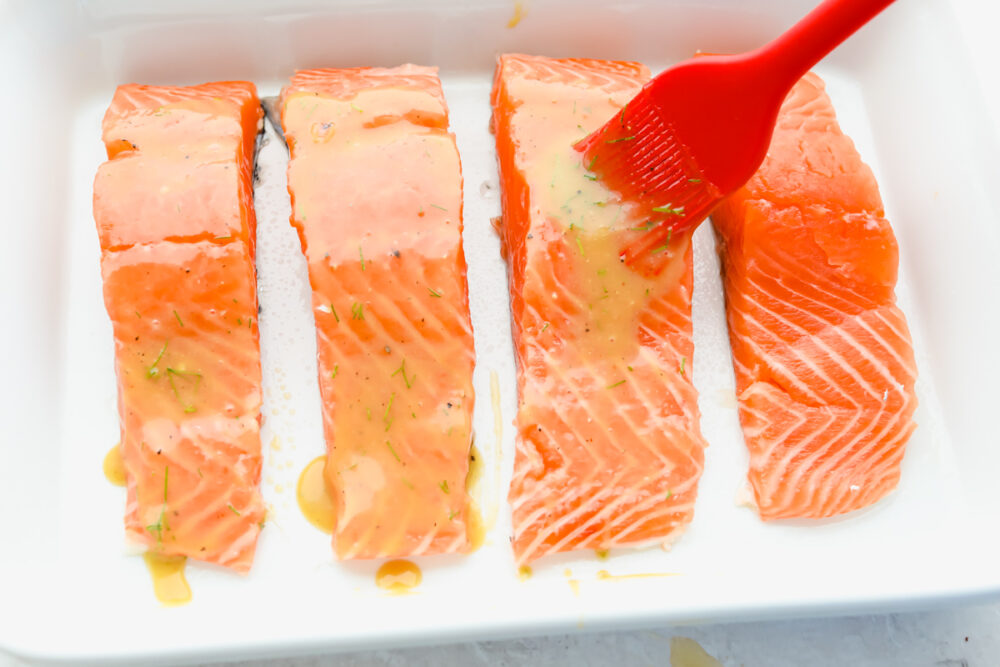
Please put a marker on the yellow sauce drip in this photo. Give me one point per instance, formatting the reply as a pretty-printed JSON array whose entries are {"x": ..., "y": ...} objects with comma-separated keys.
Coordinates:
[
  {"x": 602, "y": 554},
  {"x": 169, "y": 584},
  {"x": 114, "y": 466},
  {"x": 398, "y": 576},
  {"x": 685, "y": 652},
  {"x": 604, "y": 575},
  {"x": 475, "y": 523},
  {"x": 314, "y": 496},
  {"x": 518, "y": 14},
  {"x": 524, "y": 573}
]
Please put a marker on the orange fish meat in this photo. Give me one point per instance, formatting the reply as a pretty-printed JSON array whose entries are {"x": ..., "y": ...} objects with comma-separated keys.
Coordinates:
[
  {"x": 609, "y": 450},
  {"x": 174, "y": 212},
  {"x": 824, "y": 363},
  {"x": 376, "y": 187}
]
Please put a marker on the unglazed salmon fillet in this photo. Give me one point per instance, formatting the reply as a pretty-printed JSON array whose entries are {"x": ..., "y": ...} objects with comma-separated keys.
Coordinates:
[
  {"x": 174, "y": 212},
  {"x": 609, "y": 450},
  {"x": 376, "y": 187},
  {"x": 824, "y": 364}
]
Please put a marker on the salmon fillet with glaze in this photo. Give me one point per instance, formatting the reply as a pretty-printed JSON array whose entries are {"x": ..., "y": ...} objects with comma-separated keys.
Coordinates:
[
  {"x": 174, "y": 212},
  {"x": 824, "y": 364},
  {"x": 376, "y": 187},
  {"x": 609, "y": 450}
]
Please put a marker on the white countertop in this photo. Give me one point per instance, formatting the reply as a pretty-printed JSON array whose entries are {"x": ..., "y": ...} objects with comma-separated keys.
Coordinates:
[{"x": 963, "y": 636}]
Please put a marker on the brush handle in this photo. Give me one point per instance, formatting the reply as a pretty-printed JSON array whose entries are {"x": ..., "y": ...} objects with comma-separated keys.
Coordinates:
[{"x": 806, "y": 43}]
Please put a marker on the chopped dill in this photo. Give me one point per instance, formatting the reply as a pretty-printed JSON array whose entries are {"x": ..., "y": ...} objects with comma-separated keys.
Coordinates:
[
  {"x": 233, "y": 509},
  {"x": 669, "y": 209},
  {"x": 442, "y": 208},
  {"x": 138, "y": 314},
  {"x": 362, "y": 256},
  {"x": 545, "y": 326},
  {"x": 694, "y": 180},
  {"x": 681, "y": 368},
  {"x": 179, "y": 320},
  {"x": 590, "y": 177},
  {"x": 616, "y": 384},
  {"x": 434, "y": 292},
  {"x": 444, "y": 486},
  {"x": 452, "y": 514},
  {"x": 335, "y": 315},
  {"x": 357, "y": 311},
  {"x": 669, "y": 494},
  {"x": 153, "y": 371},
  {"x": 407, "y": 379},
  {"x": 336, "y": 369},
  {"x": 580, "y": 246},
  {"x": 173, "y": 372},
  {"x": 619, "y": 140},
  {"x": 394, "y": 454},
  {"x": 386, "y": 419},
  {"x": 593, "y": 161}
]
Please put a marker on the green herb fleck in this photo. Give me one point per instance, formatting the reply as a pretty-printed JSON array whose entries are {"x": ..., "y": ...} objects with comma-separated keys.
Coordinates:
[
  {"x": 593, "y": 161},
  {"x": 669, "y": 494},
  {"x": 179, "y": 321},
  {"x": 386, "y": 419},
  {"x": 357, "y": 311},
  {"x": 545, "y": 326},
  {"x": 336, "y": 369},
  {"x": 173, "y": 372},
  {"x": 619, "y": 140},
  {"x": 138, "y": 314},
  {"x": 394, "y": 454},
  {"x": 438, "y": 207},
  {"x": 356, "y": 108},
  {"x": 335, "y": 315},
  {"x": 402, "y": 369},
  {"x": 153, "y": 371},
  {"x": 616, "y": 384},
  {"x": 630, "y": 369},
  {"x": 669, "y": 209},
  {"x": 434, "y": 292},
  {"x": 452, "y": 514},
  {"x": 362, "y": 256},
  {"x": 444, "y": 486},
  {"x": 232, "y": 509},
  {"x": 199, "y": 472},
  {"x": 694, "y": 180},
  {"x": 681, "y": 368}
]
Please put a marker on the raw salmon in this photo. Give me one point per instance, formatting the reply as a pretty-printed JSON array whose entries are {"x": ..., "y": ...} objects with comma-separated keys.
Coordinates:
[
  {"x": 609, "y": 450},
  {"x": 376, "y": 187},
  {"x": 823, "y": 359},
  {"x": 174, "y": 212}
]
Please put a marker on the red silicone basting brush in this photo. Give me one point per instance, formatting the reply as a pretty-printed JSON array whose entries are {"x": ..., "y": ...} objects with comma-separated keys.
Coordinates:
[{"x": 698, "y": 131}]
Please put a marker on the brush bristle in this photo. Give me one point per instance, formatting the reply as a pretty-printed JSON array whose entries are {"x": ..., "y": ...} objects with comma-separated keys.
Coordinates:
[{"x": 638, "y": 155}]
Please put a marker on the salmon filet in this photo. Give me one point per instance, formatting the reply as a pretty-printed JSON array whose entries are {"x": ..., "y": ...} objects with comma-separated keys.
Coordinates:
[
  {"x": 175, "y": 217},
  {"x": 609, "y": 450},
  {"x": 824, "y": 364},
  {"x": 376, "y": 187}
]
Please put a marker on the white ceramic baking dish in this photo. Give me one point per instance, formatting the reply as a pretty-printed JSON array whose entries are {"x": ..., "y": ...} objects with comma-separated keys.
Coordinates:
[{"x": 69, "y": 590}]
